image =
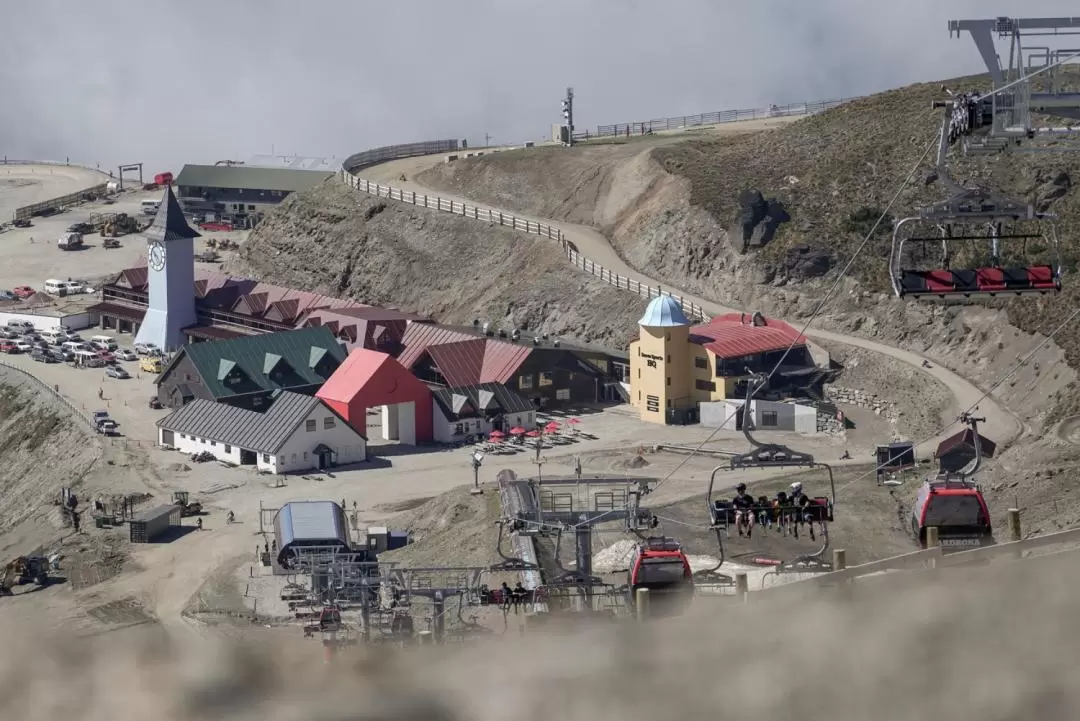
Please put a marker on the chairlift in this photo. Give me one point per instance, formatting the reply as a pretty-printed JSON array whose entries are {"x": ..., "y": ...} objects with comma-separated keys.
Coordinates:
[
  {"x": 818, "y": 512},
  {"x": 975, "y": 244}
]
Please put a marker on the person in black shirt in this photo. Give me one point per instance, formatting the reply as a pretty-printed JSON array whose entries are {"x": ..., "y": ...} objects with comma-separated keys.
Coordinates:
[
  {"x": 744, "y": 515},
  {"x": 801, "y": 502}
]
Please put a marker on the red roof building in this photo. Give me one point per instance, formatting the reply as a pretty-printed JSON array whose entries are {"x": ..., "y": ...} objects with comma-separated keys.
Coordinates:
[
  {"x": 460, "y": 358},
  {"x": 368, "y": 379},
  {"x": 736, "y": 335}
]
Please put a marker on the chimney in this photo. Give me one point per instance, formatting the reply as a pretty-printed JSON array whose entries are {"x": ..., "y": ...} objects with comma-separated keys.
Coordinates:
[
  {"x": 555, "y": 342},
  {"x": 536, "y": 340},
  {"x": 487, "y": 328},
  {"x": 502, "y": 332},
  {"x": 476, "y": 323},
  {"x": 516, "y": 335}
]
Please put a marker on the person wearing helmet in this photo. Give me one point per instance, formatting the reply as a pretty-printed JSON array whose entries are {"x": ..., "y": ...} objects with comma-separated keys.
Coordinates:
[
  {"x": 801, "y": 503},
  {"x": 744, "y": 510}
]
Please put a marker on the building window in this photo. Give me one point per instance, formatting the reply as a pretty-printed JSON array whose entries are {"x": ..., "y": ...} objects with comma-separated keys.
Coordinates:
[
  {"x": 251, "y": 207},
  {"x": 525, "y": 382},
  {"x": 309, "y": 426},
  {"x": 704, "y": 385},
  {"x": 328, "y": 423},
  {"x": 458, "y": 430},
  {"x": 700, "y": 362},
  {"x": 266, "y": 458},
  {"x": 305, "y": 455},
  {"x": 294, "y": 458},
  {"x": 545, "y": 379},
  {"x": 768, "y": 418},
  {"x": 639, "y": 396},
  {"x": 669, "y": 336},
  {"x": 228, "y": 448},
  {"x": 213, "y": 443},
  {"x": 669, "y": 380},
  {"x": 669, "y": 358},
  {"x": 638, "y": 372}
]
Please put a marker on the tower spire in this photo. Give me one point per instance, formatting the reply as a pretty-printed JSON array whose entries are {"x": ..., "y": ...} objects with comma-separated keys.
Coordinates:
[{"x": 170, "y": 223}]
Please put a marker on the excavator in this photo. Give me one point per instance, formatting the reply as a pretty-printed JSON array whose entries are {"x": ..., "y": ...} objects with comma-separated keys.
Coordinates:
[{"x": 24, "y": 569}]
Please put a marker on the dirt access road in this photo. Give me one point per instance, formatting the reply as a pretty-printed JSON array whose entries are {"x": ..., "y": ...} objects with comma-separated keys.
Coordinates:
[
  {"x": 27, "y": 184},
  {"x": 1000, "y": 424}
]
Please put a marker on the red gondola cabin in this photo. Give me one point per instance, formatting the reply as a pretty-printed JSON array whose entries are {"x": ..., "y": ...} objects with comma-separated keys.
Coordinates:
[
  {"x": 661, "y": 566},
  {"x": 958, "y": 510}
]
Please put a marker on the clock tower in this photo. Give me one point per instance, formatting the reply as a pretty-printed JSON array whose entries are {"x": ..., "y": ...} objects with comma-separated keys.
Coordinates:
[{"x": 170, "y": 261}]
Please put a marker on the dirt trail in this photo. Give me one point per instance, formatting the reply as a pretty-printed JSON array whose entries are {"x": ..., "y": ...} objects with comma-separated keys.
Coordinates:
[{"x": 1000, "y": 423}]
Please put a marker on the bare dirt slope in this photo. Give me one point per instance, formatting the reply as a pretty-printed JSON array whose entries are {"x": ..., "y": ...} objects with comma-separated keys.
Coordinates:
[{"x": 335, "y": 241}]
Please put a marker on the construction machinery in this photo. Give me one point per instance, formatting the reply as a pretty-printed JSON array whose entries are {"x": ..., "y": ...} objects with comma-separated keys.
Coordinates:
[
  {"x": 24, "y": 569},
  {"x": 70, "y": 241},
  {"x": 187, "y": 506},
  {"x": 112, "y": 225}
]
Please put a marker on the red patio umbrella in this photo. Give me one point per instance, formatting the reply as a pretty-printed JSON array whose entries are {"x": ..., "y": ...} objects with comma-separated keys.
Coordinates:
[
  {"x": 517, "y": 431},
  {"x": 532, "y": 434},
  {"x": 574, "y": 421},
  {"x": 551, "y": 427},
  {"x": 496, "y": 435}
]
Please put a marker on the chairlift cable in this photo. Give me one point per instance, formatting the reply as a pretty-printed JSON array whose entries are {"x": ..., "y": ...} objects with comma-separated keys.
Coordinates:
[
  {"x": 1016, "y": 366},
  {"x": 795, "y": 341}
]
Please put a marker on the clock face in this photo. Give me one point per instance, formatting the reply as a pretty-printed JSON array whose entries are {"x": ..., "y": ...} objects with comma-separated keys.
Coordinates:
[{"x": 157, "y": 256}]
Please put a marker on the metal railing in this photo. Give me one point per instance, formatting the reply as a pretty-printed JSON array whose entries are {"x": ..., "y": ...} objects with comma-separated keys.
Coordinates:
[
  {"x": 719, "y": 117},
  {"x": 79, "y": 196},
  {"x": 506, "y": 220},
  {"x": 50, "y": 390}
]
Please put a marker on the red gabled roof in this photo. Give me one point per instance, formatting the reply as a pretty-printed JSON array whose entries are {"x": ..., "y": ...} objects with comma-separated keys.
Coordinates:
[
  {"x": 359, "y": 368},
  {"x": 418, "y": 336},
  {"x": 501, "y": 361},
  {"x": 462, "y": 358},
  {"x": 734, "y": 334},
  {"x": 460, "y": 363}
]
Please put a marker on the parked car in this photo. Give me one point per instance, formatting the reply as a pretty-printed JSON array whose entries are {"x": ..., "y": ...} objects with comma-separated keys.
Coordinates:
[
  {"x": 64, "y": 355},
  {"x": 43, "y": 357},
  {"x": 151, "y": 365},
  {"x": 20, "y": 325},
  {"x": 106, "y": 356},
  {"x": 84, "y": 228},
  {"x": 147, "y": 349},
  {"x": 23, "y": 291},
  {"x": 23, "y": 346},
  {"x": 8, "y": 347},
  {"x": 8, "y": 295},
  {"x": 117, "y": 372},
  {"x": 126, "y": 355}
]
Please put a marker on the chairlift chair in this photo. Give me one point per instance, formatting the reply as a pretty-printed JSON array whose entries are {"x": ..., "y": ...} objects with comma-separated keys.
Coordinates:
[{"x": 988, "y": 245}]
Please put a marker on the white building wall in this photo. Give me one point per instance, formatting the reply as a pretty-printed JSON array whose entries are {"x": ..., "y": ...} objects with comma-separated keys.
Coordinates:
[
  {"x": 446, "y": 429},
  {"x": 297, "y": 454},
  {"x": 805, "y": 418},
  {"x": 191, "y": 444},
  {"x": 73, "y": 321},
  {"x": 789, "y": 416}
]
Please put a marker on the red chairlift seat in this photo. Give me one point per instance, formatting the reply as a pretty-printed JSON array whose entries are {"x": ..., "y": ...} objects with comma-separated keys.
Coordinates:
[{"x": 966, "y": 282}]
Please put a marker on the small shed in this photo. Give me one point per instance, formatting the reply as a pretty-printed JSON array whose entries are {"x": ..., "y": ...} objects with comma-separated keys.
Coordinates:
[
  {"x": 958, "y": 450},
  {"x": 154, "y": 522},
  {"x": 896, "y": 456},
  {"x": 301, "y": 524}
]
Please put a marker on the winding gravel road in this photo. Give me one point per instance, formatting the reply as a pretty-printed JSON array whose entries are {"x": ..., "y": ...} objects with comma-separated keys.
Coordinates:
[{"x": 1000, "y": 424}]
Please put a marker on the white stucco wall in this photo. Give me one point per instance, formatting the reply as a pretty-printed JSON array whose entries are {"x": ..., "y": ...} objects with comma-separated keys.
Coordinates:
[
  {"x": 445, "y": 429},
  {"x": 297, "y": 454},
  {"x": 349, "y": 445},
  {"x": 789, "y": 416},
  {"x": 191, "y": 444}
]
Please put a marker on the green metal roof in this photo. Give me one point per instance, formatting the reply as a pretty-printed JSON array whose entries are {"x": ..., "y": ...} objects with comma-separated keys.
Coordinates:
[
  {"x": 239, "y": 365},
  {"x": 245, "y": 178}
]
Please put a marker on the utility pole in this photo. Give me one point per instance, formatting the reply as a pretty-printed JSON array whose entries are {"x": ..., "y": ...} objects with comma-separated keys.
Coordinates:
[
  {"x": 487, "y": 140},
  {"x": 568, "y": 117}
]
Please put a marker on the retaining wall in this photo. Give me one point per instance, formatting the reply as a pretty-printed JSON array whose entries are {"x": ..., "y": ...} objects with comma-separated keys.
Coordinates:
[{"x": 80, "y": 196}]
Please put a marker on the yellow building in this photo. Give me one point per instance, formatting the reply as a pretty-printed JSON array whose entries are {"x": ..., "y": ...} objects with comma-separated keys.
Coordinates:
[{"x": 675, "y": 365}]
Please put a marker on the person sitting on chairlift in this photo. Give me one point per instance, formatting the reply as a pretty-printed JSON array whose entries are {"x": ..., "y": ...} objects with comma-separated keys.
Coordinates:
[
  {"x": 744, "y": 515},
  {"x": 801, "y": 502},
  {"x": 764, "y": 512}
]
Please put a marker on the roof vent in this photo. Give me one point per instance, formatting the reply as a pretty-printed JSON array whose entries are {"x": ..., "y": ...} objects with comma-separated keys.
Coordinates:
[
  {"x": 536, "y": 340},
  {"x": 544, "y": 336},
  {"x": 555, "y": 342},
  {"x": 476, "y": 323},
  {"x": 516, "y": 335},
  {"x": 758, "y": 319},
  {"x": 502, "y": 333},
  {"x": 487, "y": 328}
]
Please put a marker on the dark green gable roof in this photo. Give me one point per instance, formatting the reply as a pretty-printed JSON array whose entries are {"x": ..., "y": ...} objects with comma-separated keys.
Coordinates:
[
  {"x": 240, "y": 177},
  {"x": 286, "y": 360}
]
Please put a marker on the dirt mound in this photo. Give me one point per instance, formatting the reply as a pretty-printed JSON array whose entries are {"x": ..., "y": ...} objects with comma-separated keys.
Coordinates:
[
  {"x": 453, "y": 269},
  {"x": 452, "y": 529},
  {"x": 43, "y": 448}
]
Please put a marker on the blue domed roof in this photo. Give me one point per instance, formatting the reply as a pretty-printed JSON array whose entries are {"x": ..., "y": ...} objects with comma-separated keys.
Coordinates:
[{"x": 663, "y": 312}]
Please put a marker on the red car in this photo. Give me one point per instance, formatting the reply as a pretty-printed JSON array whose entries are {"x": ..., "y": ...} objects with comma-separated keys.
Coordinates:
[
  {"x": 23, "y": 291},
  {"x": 106, "y": 356},
  {"x": 8, "y": 348}
]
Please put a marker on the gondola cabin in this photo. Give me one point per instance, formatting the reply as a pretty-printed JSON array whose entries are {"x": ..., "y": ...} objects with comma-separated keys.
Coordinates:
[
  {"x": 958, "y": 510},
  {"x": 660, "y": 565}
]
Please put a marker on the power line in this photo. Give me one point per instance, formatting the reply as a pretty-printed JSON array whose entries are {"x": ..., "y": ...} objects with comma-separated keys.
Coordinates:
[{"x": 813, "y": 316}]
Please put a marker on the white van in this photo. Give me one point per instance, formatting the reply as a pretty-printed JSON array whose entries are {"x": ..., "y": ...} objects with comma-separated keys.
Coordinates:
[
  {"x": 74, "y": 346},
  {"x": 53, "y": 335},
  {"x": 104, "y": 342},
  {"x": 150, "y": 207},
  {"x": 56, "y": 287},
  {"x": 88, "y": 358}
]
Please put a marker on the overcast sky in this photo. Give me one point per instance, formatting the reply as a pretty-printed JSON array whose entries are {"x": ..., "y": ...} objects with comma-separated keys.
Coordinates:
[{"x": 168, "y": 82}]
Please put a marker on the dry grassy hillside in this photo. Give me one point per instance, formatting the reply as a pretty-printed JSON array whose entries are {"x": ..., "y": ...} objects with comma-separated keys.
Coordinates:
[
  {"x": 672, "y": 209},
  {"x": 336, "y": 241}
]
